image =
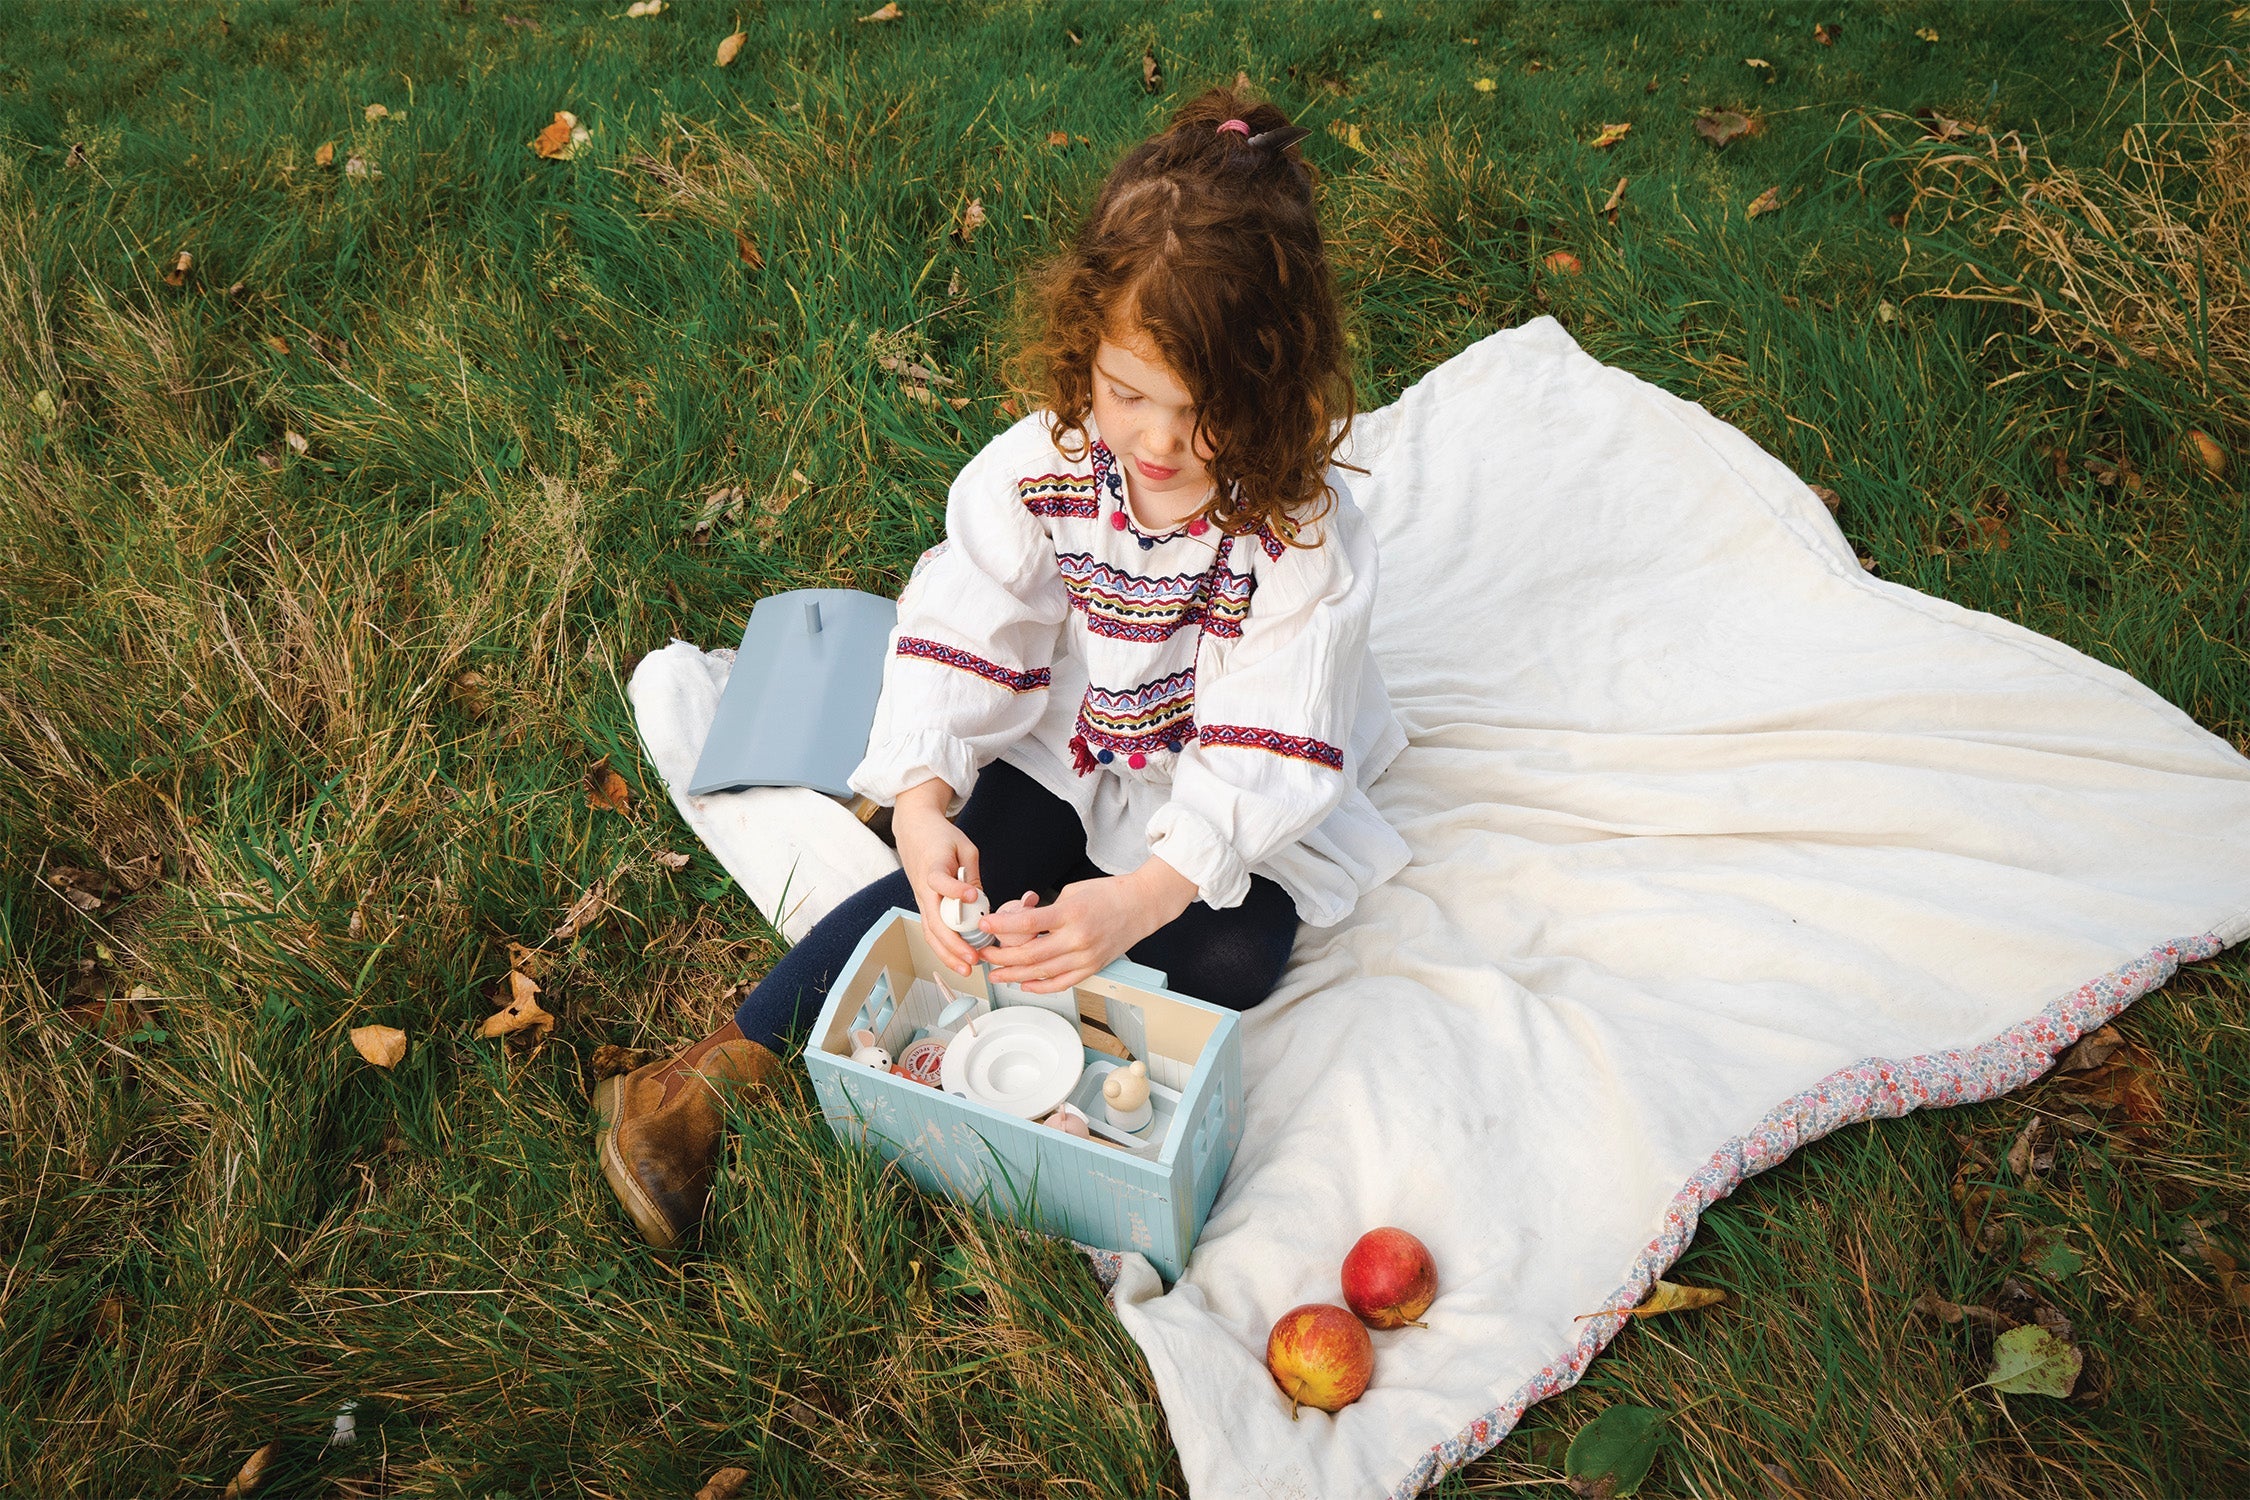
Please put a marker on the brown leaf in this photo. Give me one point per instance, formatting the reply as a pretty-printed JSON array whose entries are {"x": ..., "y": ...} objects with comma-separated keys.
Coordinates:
[
  {"x": 1060, "y": 138},
  {"x": 2091, "y": 1050},
  {"x": 1152, "y": 75},
  {"x": 1722, "y": 127},
  {"x": 1829, "y": 498},
  {"x": 2196, "y": 1240},
  {"x": 1978, "y": 1202},
  {"x": 528, "y": 961},
  {"x": 606, "y": 791},
  {"x": 252, "y": 1473},
  {"x": 972, "y": 220},
  {"x": 1931, "y": 1305},
  {"x": 83, "y": 889},
  {"x": 1654, "y": 83},
  {"x": 376, "y": 112},
  {"x": 468, "y": 689},
  {"x": 1615, "y": 200},
  {"x": 2206, "y": 453},
  {"x": 1610, "y": 136},
  {"x": 181, "y": 265},
  {"x": 384, "y": 1046},
  {"x": 297, "y": 441},
  {"x": 1670, "y": 1297},
  {"x": 585, "y": 912},
  {"x": 277, "y": 343},
  {"x": 324, "y": 154},
  {"x": 746, "y": 250},
  {"x": 671, "y": 860},
  {"x": 1765, "y": 203},
  {"x": 724, "y": 1485},
  {"x": 561, "y": 138},
  {"x": 731, "y": 45},
  {"x": 1009, "y": 409},
  {"x": 1926, "y": 33},
  {"x": 1561, "y": 262},
  {"x": 889, "y": 12},
  {"x": 522, "y": 1012},
  {"x": 2033, "y": 1152},
  {"x": 609, "y": 1060},
  {"x": 1826, "y": 32}
]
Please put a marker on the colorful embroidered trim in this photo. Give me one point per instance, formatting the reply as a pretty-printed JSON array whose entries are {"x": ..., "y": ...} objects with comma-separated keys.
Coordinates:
[
  {"x": 938, "y": 651},
  {"x": 1298, "y": 747},
  {"x": 1156, "y": 716},
  {"x": 1059, "y": 495},
  {"x": 1128, "y": 607},
  {"x": 1874, "y": 1088}
]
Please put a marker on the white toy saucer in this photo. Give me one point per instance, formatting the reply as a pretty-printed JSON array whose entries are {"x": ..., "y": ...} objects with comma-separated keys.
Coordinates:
[{"x": 1022, "y": 1059}]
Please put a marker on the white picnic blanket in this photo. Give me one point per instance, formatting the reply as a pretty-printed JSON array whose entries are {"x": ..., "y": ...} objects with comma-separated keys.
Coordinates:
[{"x": 1719, "y": 844}]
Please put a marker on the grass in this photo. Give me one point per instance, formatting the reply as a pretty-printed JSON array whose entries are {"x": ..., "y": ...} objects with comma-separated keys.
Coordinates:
[{"x": 316, "y": 722}]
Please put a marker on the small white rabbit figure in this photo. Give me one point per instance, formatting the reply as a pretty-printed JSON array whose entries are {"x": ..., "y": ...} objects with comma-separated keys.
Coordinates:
[
  {"x": 1125, "y": 1097},
  {"x": 870, "y": 1051}
]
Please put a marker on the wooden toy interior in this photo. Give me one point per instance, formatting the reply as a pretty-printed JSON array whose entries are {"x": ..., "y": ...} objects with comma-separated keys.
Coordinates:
[{"x": 1176, "y": 1034}]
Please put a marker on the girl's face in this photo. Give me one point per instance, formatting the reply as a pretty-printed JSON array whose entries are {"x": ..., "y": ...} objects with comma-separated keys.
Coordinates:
[{"x": 1148, "y": 420}]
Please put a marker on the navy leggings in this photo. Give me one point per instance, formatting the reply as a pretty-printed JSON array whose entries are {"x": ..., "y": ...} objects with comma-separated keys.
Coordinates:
[{"x": 1028, "y": 839}]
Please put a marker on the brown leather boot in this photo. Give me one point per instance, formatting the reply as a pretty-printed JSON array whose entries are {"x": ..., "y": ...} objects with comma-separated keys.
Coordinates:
[{"x": 657, "y": 1129}]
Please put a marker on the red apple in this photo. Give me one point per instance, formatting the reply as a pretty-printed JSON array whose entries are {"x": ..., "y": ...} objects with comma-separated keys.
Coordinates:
[
  {"x": 1389, "y": 1279},
  {"x": 1319, "y": 1356}
]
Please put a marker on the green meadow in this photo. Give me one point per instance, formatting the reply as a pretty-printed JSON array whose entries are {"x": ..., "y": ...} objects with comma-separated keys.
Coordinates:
[{"x": 352, "y": 453}]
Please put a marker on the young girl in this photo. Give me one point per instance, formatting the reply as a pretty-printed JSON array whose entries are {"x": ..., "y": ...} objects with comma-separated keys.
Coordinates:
[{"x": 1131, "y": 689}]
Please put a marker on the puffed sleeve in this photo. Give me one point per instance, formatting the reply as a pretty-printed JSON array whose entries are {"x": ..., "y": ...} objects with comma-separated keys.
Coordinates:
[
  {"x": 1274, "y": 712},
  {"x": 978, "y": 628}
]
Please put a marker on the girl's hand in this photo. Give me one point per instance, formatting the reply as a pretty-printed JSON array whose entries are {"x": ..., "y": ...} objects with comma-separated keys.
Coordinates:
[
  {"x": 930, "y": 850},
  {"x": 1046, "y": 950}
]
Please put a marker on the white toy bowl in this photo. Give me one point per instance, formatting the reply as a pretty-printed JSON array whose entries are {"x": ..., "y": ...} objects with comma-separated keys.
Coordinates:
[{"x": 1021, "y": 1059}]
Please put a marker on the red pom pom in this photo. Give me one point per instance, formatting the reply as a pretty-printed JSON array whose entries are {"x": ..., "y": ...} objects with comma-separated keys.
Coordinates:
[
  {"x": 1198, "y": 526},
  {"x": 1117, "y": 521},
  {"x": 1136, "y": 760}
]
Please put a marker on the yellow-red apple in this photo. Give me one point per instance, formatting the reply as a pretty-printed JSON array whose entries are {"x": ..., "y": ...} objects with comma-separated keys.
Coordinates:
[
  {"x": 1319, "y": 1356},
  {"x": 1389, "y": 1279}
]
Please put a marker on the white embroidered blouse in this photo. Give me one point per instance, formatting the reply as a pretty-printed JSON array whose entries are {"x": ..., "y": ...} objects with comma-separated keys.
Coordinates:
[{"x": 1207, "y": 699}]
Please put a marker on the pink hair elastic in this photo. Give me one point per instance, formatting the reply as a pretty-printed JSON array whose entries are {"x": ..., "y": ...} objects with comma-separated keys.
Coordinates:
[{"x": 1238, "y": 127}]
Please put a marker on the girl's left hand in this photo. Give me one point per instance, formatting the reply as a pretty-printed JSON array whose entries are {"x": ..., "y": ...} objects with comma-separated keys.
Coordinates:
[{"x": 1048, "y": 949}]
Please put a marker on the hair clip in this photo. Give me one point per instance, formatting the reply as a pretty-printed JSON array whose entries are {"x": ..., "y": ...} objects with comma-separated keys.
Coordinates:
[
  {"x": 1237, "y": 126},
  {"x": 1280, "y": 138}
]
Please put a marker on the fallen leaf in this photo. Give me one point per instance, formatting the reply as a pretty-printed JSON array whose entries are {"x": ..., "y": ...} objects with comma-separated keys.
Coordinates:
[
  {"x": 746, "y": 250},
  {"x": 1350, "y": 135},
  {"x": 1930, "y": 1304},
  {"x": 83, "y": 889},
  {"x": 43, "y": 405},
  {"x": 181, "y": 265},
  {"x": 1610, "y": 136},
  {"x": 324, "y": 154},
  {"x": 1886, "y": 311},
  {"x": 1484, "y": 85},
  {"x": 1670, "y": 1297},
  {"x": 889, "y": 12},
  {"x": 606, "y": 791},
  {"x": 1612, "y": 1454},
  {"x": 641, "y": 8},
  {"x": 1614, "y": 201},
  {"x": 1826, "y": 32},
  {"x": 1765, "y": 203},
  {"x": 2033, "y": 1152},
  {"x": 252, "y": 1473},
  {"x": 584, "y": 912},
  {"x": 730, "y": 46},
  {"x": 384, "y": 1046},
  {"x": 376, "y": 112},
  {"x": 468, "y": 689},
  {"x": 1760, "y": 63},
  {"x": 2058, "y": 1258},
  {"x": 1654, "y": 83},
  {"x": 671, "y": 860},
  {"x": 1926, "y": 33},
  {"x": 562, "y": 137},
  {"x": 1009, "y": 409},
  {"x": 1722, "y": 127},
  {"x": 2091, "y": 1050},
  {"x": 972, "y": 220},
  {"x": 1869, "y": 564},
  {"x": 1058, "y": 138},
  {"x": 2196, "y": 1240},
  {"x": 356, "y": 166},
  {"x": 528, "y": 961},
  {"x": 1978, "y": 1199},
  {"x": 355, "y": 924},
  {"x": 2030, "y": 1361},
  {"x": 277, "y": 343},
  {"x": 1241, "y": 81},
  {"x": 1152, "y": 75},
  {"x": 609, "y": 1060},
  {"x": 1561, "y": 262},
  {"x": 298, "y": 443},
  {"x": 521, "y": 1013},
  {"x": 724, "y": 1485},
  {"x": 1829, "y": 498},
  {"x": 2206, "y": 453}
]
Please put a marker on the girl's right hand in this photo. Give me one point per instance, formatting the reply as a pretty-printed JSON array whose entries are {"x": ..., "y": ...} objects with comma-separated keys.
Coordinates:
[{"x": 931, "y": 850}]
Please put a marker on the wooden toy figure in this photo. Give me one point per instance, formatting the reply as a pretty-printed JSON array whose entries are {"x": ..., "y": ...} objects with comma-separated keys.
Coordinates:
[{"x": 1125, "y": 1097}]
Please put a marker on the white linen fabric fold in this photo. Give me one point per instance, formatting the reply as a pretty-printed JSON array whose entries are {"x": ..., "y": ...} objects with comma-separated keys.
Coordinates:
[{"x": 1719, "y": 844}]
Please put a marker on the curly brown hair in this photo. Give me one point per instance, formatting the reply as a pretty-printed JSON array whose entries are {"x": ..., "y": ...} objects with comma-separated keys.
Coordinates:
[{"x": 1207, "y": 243}]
